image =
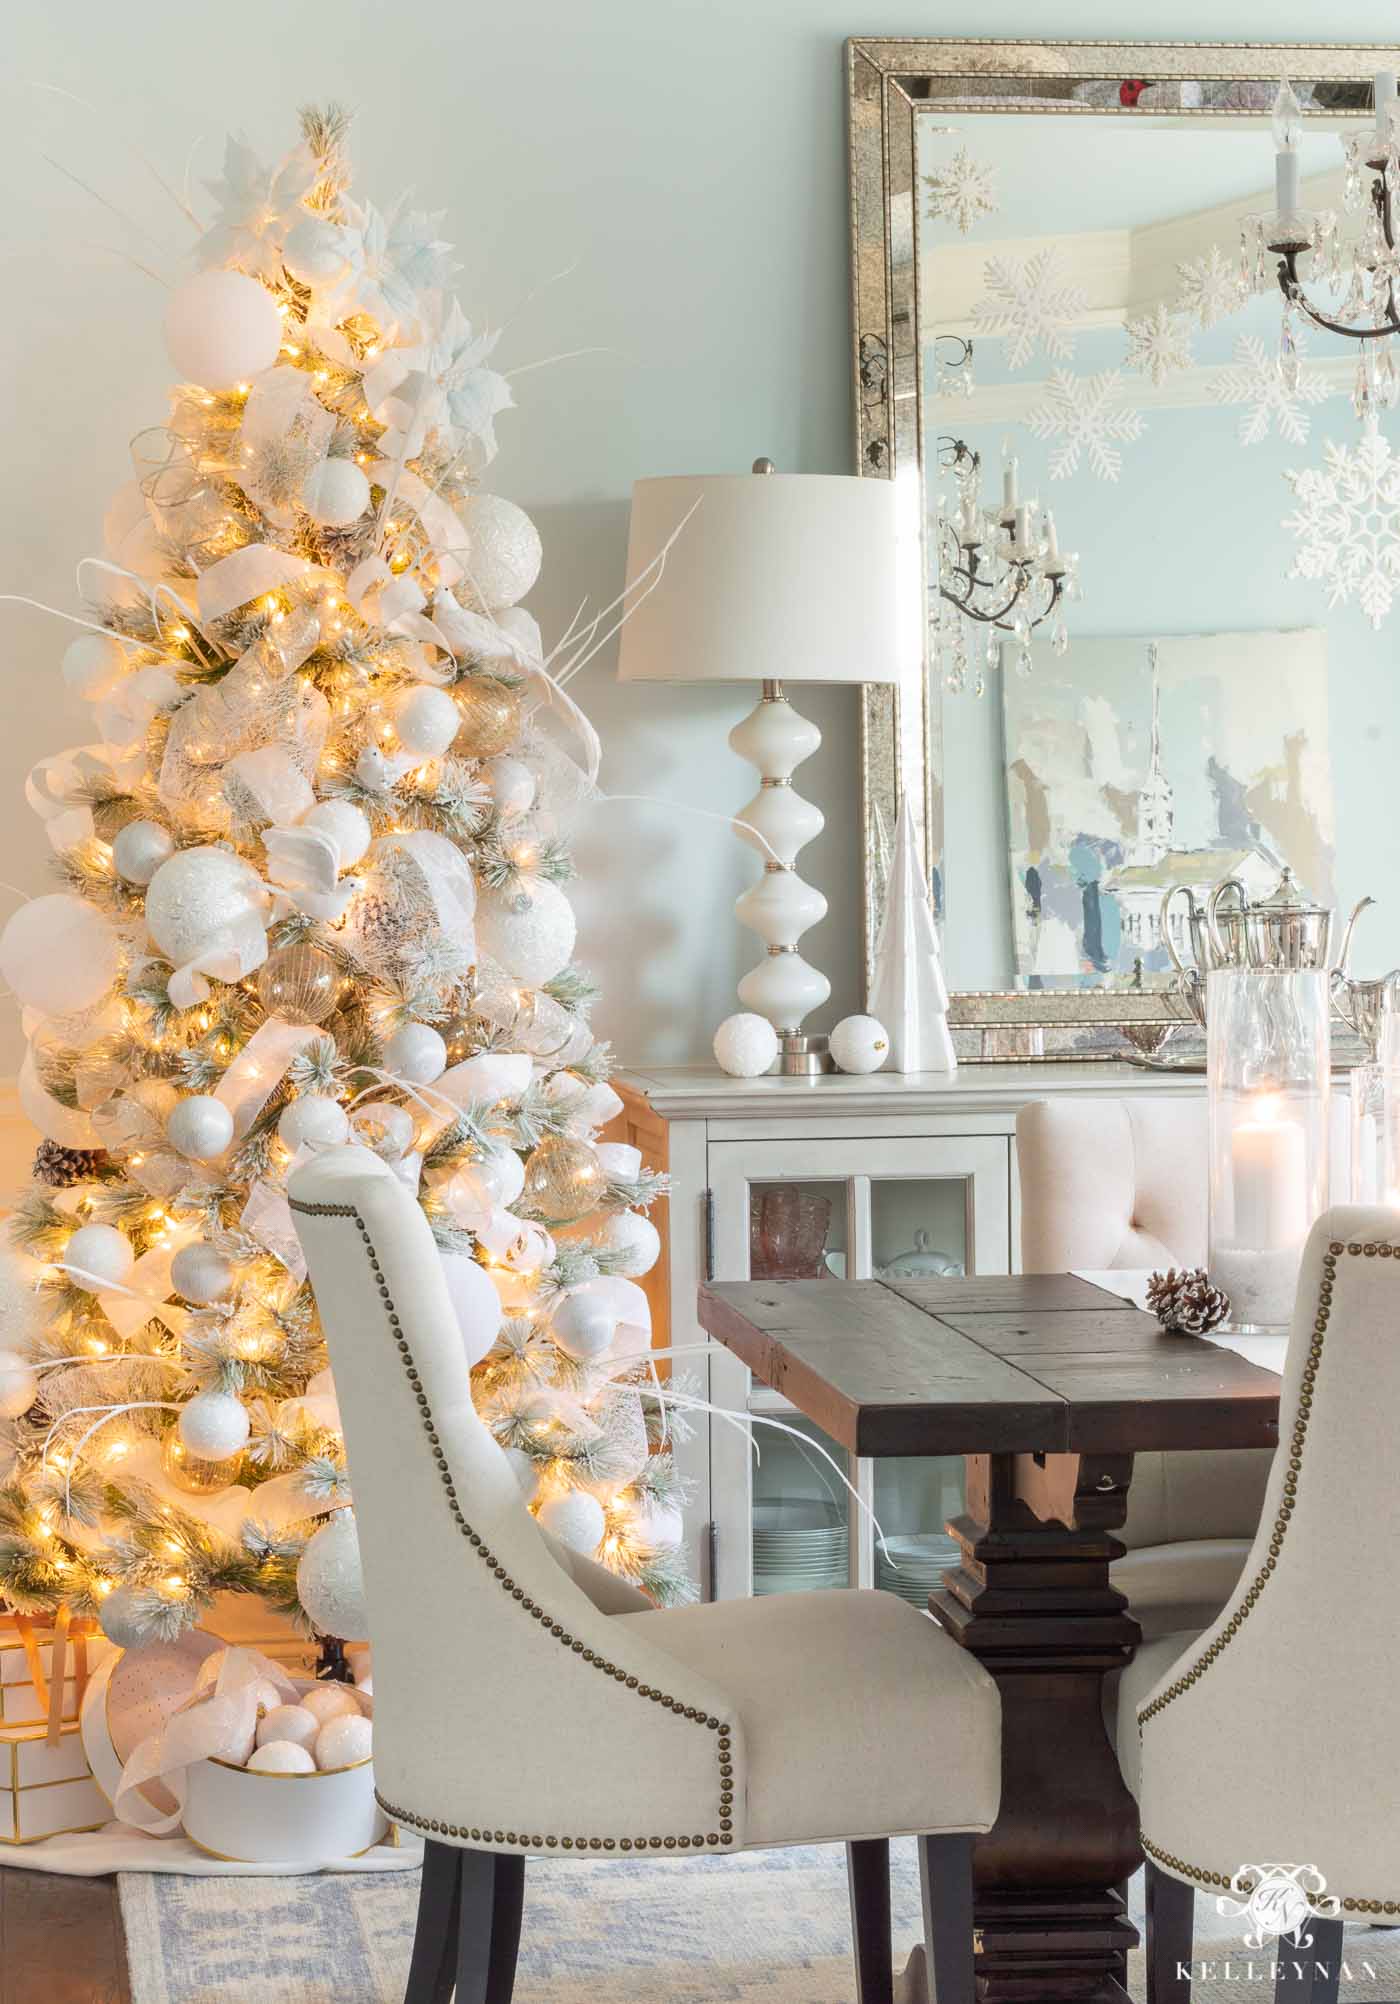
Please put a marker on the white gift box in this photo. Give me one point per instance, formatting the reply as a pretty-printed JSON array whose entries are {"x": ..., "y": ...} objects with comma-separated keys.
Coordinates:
[
  {"x": 46, "y": 1789},
  {"x": 21, "y": 1702},
  {"x": 247, "y": 1817}
]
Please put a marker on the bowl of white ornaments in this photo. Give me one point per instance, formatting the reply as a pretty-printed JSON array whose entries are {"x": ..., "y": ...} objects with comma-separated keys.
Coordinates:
[{"x": 304, "y": 1794}]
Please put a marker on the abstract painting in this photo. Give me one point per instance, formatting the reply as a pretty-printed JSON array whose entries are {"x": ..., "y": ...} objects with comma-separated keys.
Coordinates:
[{"x": 1137, "y": 765}]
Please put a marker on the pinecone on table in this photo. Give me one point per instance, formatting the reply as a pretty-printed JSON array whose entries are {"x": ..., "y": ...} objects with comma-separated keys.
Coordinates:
[
  {"x": 60, "y": 1168},
  {"x": 1185, "y": 1302}
]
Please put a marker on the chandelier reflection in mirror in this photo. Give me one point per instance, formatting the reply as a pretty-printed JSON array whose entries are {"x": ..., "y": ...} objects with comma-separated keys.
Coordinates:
[
  {"x": 1353, "y": 276},
  {"x": 1001, "y": 572}
]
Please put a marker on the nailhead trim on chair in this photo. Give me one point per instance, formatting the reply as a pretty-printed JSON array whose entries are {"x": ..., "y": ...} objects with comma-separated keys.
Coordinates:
[
  {"x": 509, "y": 1839},
  {"x": 1282, "y": 1518}
]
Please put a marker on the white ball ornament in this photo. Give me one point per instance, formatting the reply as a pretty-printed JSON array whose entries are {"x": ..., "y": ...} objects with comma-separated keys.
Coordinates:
[
  {"x": 659, "y": 1525},
  {"x": 201, "y": 1274},
  {"x": 196, "y": 895},
  {"x": 59, "y": 954},
  {"x": 289, "y": 1722},
  {"x": 139, "y": 849},
  {"x": 98, "y": 1256},
  {"x": 632, "y": 1243},
  {"x": 745, "y": 1045},
  {"x": 416, "y": 1052},
  {"x": 200, "y": 1127},
  {"x": 426, "y": 721},
  {"x": 93, "y": 664},
  {"x": 314, "y": 252},
  {"x": 530, "y": 931},
  {"x": 19, "y": 1385},
  {"x": 330, "y": 1701},
  {"x": 475, "y": 1302},
  {"x": 859, "y": 1044},
  {"x": 576, "y": 1519},
  {"x": 221, "y": 329},
  {"x": 583, "y": 1326},
  {"x": 505, "y": 551},
  {"x": 346, "y": 826},
  {"x": 118, "y": 1619},
  {"x": 281, "y": 1757},
  {"x": 335, "y": 493},
  {"x": 512, "y": 784},
  {"x": 344, "y": 1742},
  {"x": 215, "y": 1425},
  {"x": 313, "y": 1118},
  {"x": 330, "y": 1581}
]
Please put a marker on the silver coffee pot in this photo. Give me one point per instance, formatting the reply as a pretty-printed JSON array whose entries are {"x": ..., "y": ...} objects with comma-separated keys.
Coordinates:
[{"x": 1280, "y": 933}]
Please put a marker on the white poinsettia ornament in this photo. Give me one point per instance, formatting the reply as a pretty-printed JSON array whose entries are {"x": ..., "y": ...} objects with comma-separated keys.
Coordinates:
[
  {"x": 257, "y": 205},
  {"x": 442, "y": 384}
]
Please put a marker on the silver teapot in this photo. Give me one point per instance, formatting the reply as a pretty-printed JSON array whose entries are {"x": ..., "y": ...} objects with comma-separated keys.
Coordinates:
[{"x": 1279, "y": 933}]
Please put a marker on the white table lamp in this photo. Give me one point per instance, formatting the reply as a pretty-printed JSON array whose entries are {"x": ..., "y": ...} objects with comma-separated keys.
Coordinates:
[{"x": 807, "y": 577}]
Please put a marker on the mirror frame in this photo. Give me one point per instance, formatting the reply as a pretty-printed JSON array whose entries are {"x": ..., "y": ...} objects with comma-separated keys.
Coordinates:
[{"x": 891, "y": 83}]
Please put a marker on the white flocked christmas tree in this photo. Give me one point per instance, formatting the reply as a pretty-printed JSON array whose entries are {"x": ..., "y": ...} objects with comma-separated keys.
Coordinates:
[{"x": 311, "y": 864}]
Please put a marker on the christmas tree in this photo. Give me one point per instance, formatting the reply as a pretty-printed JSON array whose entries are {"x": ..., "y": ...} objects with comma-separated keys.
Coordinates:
[{"x": 311, "y": 865}]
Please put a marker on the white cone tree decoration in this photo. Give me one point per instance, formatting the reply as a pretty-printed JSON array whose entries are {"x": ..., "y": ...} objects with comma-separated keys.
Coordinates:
[
  {"x": 311, "y": 862},
  {"x": 907, "y": 990}
]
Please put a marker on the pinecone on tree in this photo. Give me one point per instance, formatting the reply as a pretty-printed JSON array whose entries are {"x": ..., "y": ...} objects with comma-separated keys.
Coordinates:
[
  {"x": 1185, "y": 1302},
  {"x": 60, "y": 1168}
]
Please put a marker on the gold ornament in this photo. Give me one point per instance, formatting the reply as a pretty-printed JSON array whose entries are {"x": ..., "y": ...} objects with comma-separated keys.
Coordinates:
[
  {"x": 299, "y": 983},
  {"x": 564, "y": 1179},
  {"x": 490, "y": 718},
  {"x": 462, "y": 1036},
  {"x": 192, "y": 1473}
]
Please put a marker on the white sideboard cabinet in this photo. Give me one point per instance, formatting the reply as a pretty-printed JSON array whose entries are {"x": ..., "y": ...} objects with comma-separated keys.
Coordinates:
[{"x": 849, "y": 1176}]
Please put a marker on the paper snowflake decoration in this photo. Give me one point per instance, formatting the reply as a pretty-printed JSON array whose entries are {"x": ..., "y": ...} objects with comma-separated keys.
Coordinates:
[
  {"x": 961, "y": 191},
  {"x": 257, "y": 205},
  {"x": 1030, "y": 303},
  {"x": 1257, "y": 381},
  {"x": 1348, "y": 524},
  {"x": 1086, "y": 414},
  {"x": 1159, "y": 345},
  {"x": 1211, "y": 288}
]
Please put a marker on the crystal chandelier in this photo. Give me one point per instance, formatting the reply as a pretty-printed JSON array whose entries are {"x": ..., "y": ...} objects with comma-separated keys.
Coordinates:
[
  {"x": 1357, "y": 277},
  {"x": 998, "y": 575}
]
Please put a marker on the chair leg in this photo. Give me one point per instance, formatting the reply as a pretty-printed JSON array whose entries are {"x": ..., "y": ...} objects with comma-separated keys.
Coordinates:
[
  {"x": 506, "y": 1910},
  {"x": 868, "y": 1874},
  {"x": 1311, "y": 1975},
  {"x": 945, "y": 1880},
  {"x": 1171, "y": 1927},
  {"x": 475, "y": 1925},
  {"x": 433, "y": 1970}
]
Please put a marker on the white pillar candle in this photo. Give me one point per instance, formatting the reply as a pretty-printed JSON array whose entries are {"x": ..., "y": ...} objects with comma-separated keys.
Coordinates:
[{"x": 1268, "y": 1162}]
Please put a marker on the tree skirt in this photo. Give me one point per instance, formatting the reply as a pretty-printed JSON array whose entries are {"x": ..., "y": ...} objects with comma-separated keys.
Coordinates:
[
  {"x": 766, "y": 1927},
  {"x": 87, "y": 1854}
]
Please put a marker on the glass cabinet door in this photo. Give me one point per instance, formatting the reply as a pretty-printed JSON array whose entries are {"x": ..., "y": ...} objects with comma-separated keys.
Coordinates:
[{"x": 839, "y": 1209}]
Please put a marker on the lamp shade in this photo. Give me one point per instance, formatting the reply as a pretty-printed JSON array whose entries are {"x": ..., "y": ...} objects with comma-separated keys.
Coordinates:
[{"x": 775, "y": 576}]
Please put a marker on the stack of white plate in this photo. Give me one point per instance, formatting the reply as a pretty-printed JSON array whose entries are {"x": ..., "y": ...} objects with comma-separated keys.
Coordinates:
[
  {"x": 922, "y": 1558},
  {"x": 799, "y": 1544}
]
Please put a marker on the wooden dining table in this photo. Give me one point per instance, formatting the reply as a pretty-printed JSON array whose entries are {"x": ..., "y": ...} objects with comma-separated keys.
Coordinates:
[{"x": 1048, "y": 1384}]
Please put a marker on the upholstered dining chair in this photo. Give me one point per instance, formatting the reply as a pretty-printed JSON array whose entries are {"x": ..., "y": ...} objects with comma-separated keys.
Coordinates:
[
  {"x": 1123, "y": 1183},
  {"x": 1271, "y": 1735},
  {"x": 526, "y": 1702}
]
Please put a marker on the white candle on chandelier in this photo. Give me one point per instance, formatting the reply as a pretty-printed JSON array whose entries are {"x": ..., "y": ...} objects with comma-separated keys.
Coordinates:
[
  {"x": 1287, "y": 124},
  {"x": 1385, "y": 105},
  {"x": 1022, "y": 528},
  {"x": 1052, "y": 540},
  {"x": 1008, "y": 484}
]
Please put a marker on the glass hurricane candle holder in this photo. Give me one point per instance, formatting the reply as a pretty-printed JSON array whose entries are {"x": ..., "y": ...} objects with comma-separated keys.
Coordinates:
[
  {"x": 1375, "y": 1119},
  {"x": 1268, "y": 1074}
]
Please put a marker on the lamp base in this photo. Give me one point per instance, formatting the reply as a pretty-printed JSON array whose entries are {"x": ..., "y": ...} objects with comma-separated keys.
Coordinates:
[{"x": 801, "y": 1056}]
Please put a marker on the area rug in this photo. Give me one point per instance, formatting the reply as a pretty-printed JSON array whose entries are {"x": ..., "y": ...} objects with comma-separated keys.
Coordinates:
[{"x": 763, "y": 1928}]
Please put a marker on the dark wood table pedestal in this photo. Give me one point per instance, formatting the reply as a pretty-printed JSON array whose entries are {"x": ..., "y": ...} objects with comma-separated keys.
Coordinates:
[{"x": 1032, "y": 1601}]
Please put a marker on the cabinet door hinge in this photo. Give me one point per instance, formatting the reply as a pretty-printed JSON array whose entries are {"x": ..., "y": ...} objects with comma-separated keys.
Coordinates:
[{"x": 707, "y": 1227}]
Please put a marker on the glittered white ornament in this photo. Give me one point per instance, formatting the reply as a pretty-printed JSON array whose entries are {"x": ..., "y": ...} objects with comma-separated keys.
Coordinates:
[
  {"x": 530, "y": 930},
  {"x": 281, "y": 1757},
  {"x": 313, "y": 1117},
  {"x": 659, "y": 1525},
  {"x": 59, "y": 954},
  {"x": 330, "y": 1701},
  {"x": 335, "y": 493},
  {"x": 859, "y": 1044},
  {"x": 344, "y": 1742},
  {"x": 525, "y": 1472},
  {"x": 745, "y": 1045},
  {"x": 632, "y": 1243},
  {"x": 416, "y": 1052},
  {"x": 426, "y": 721},
  {"x": 215, "y": 1425},
  {"x": 98, "y": 1256},
  {"x": 24, "y": 1312},
  {"x": 196, "y": 895},
  {"x": 139, "y": 849},
  {"x": 117, "y": 1616},
  {"x": 315, "y": 251},
  {"x": 93, "y": 664},
  {"x": 289, "y": 1722},
  {"x": 201, "y": 1274},
  {"x": 346, "y": 826},
  {"x": 505, "y": 551},
  {"x": 200, "y": 1127},
  {"x": 622, "y": 1163},
  {"x": 19, "y": 1386},
  {"x": 222, "y": 328},
  {"x": 475, "y": 1303},
  {"x": 330, "y": 1581},
  {"x": 582, "y": 1325},
  {"x": 576, "y": 1519},
  {"x": 512, "y": 784}
]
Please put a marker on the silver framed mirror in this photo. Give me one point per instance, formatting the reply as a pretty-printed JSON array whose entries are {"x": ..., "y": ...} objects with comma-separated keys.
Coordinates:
[{"x": 1185, "y": 130}]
